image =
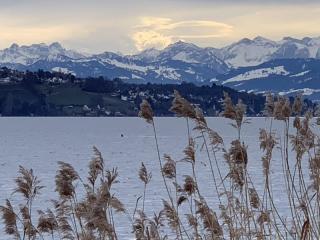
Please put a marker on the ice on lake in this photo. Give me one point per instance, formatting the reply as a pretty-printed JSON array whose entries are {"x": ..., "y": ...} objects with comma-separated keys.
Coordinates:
[{"x": 39, "y": 143}]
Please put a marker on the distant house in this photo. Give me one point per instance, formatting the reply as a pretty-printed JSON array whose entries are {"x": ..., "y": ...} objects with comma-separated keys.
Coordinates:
[
  {"x": 86, "y": 108},
  {"x": 118, "y": 114},
  {"x": 124, "y": 98},
  {"x": 114, "y": 94},
  {"x": 57, "y": 80}
]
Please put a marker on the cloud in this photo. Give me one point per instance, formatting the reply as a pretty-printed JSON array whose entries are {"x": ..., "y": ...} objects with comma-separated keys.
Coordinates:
[
  {"x": 124, "y": 25},
  {"x": 160, "y": 32},
  {"x": 149, "y": 39}
]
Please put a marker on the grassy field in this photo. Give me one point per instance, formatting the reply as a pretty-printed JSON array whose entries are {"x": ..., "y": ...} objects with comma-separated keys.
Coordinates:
[
  {"x": 62, "y": 100},
  {"x": 74, "y": 95}
]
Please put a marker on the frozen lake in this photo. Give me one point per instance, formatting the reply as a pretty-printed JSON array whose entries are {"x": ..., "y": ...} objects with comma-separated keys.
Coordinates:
[{"x": 38, "y": 143}]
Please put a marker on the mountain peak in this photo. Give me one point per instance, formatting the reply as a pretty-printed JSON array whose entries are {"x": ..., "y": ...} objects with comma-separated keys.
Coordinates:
[
  {"x": 14, "y": 46},
  {"x": 181, "y": 44},
  {"x": 149, "y": 50},
  {"x": 261, "y": 39},
  {"x": 291, "y": 39},
  {"x": 244, "y": 41},
  {"x": 56, "y": 45},
  {"x": 306, "y": 39},
  {"x": 149, "y": 54}
]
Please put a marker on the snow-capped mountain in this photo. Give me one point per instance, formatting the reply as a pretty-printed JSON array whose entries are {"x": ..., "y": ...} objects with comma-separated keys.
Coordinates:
[
  {"x": 281, "y": 76},
  {"x": 176, "y": 63},
  {"x": 148, "y": 55},
  {"x": 253, "y": 52},
  {"x": 248, "y": 52},
  {"x": 257, "y": 65},
  {"x": 27, "y": 55}
]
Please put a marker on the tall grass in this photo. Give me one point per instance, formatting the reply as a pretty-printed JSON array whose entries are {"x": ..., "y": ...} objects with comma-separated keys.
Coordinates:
[{"x": 243, "y": 212}]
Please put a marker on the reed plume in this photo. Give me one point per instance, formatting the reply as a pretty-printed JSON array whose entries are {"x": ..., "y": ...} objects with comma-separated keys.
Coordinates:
[
  {"x": 87, "y": 208},
  {"x": 144, "y": 175},
  {"x": 9, "y": 218},
  {"x": 182, "y": 107},
  {"x": 169, "y": 167},
  {"x": 27, "y": 184},
  {"x": 65, "y": 177},
  {"x": 146, "y": 111}
]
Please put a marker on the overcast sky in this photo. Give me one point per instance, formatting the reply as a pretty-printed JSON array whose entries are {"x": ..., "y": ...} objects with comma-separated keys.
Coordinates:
[{"x": 129, "y": 26}]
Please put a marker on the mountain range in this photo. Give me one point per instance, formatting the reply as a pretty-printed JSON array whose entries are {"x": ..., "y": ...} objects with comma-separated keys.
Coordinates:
[{"x": 255, "y": 65}]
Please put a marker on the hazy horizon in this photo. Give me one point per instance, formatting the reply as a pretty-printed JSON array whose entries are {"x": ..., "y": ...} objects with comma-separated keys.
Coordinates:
[
  {"x": 151, "y": 47},
  {"x": 132, "y": 26}
]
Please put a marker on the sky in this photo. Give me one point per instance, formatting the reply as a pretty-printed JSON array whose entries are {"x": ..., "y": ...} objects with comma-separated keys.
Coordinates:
[{"x": 130, "y": 26}]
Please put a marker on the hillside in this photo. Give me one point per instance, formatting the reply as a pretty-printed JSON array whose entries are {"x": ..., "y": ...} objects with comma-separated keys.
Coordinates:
[
  {"x": 281, "y": 76},
  {"x": 56, "y": 94}
]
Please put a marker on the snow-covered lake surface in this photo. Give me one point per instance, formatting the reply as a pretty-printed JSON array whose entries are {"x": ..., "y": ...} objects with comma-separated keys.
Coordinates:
[{"x": 38, "y": 143}]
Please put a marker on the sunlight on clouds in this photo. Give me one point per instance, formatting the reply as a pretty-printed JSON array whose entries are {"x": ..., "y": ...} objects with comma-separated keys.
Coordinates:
[
  {"x": 149, "y": 39},
  {"x": 154, "y": 22},
  {"x": 105, "y": 27},
  {"x": 160, "y": 32}
]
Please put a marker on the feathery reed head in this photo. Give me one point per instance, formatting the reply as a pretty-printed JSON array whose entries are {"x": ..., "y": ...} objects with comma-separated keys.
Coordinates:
[
  {"x": 267, "y": 144},
  {"x": 112, "y": 176},
  {"x": 240, "y": 112},
  {"x": 10, "y": 220},
  {"x": 193, "y": 222},
  {"x": 65, "y": 177},
  {"x": 228, "y": 107},
  {"x": 209, "y": 219},
  {"x": 238, "y": 153},
  {"x": 233, "y": 112},
  {"x": 297, "y": 123},
  {"x": 47, "y": 222},
  {"x": 215, "y": 138},
  {"x": 146, "y": 111},
  {"x": 189, "y": 185},
  {"x": 169, "y": 167},
  {"x": 116, "y": 204},
  {"x": 267, "y": 140},
  {"x": 201, "y": 123},
  {"x": 181, "y": 107},
  {"x": 96, "y": 166},
  {"x": 263, "y": 218},
  {"x": 138, "y": 227},
  {"x": 144, "y": 175},
  {"x": 189, "y": 152},
  {"x": 282, "y": 109},
  {"x": 269, "y": 105},
  {"x": 297, "y": 105},
  {"x": 27, "y": 184},
  {"x": 254, "y": 198},
  {"x": 171, "y": 215}
]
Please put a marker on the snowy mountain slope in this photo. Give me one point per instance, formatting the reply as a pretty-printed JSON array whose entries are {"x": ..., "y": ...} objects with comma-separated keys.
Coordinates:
[
  {"x": 27, "y": 55},
  {"x": 243, "y": 53},
  {"x": 257, "y": 65},
  {"x": 178, "y": 62},
  {"x": 283, "y": 76},
  {"x": 148, "y": 55},
  {"x": 253, "y": 52},
  {"x": 248, "y": 52}
]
